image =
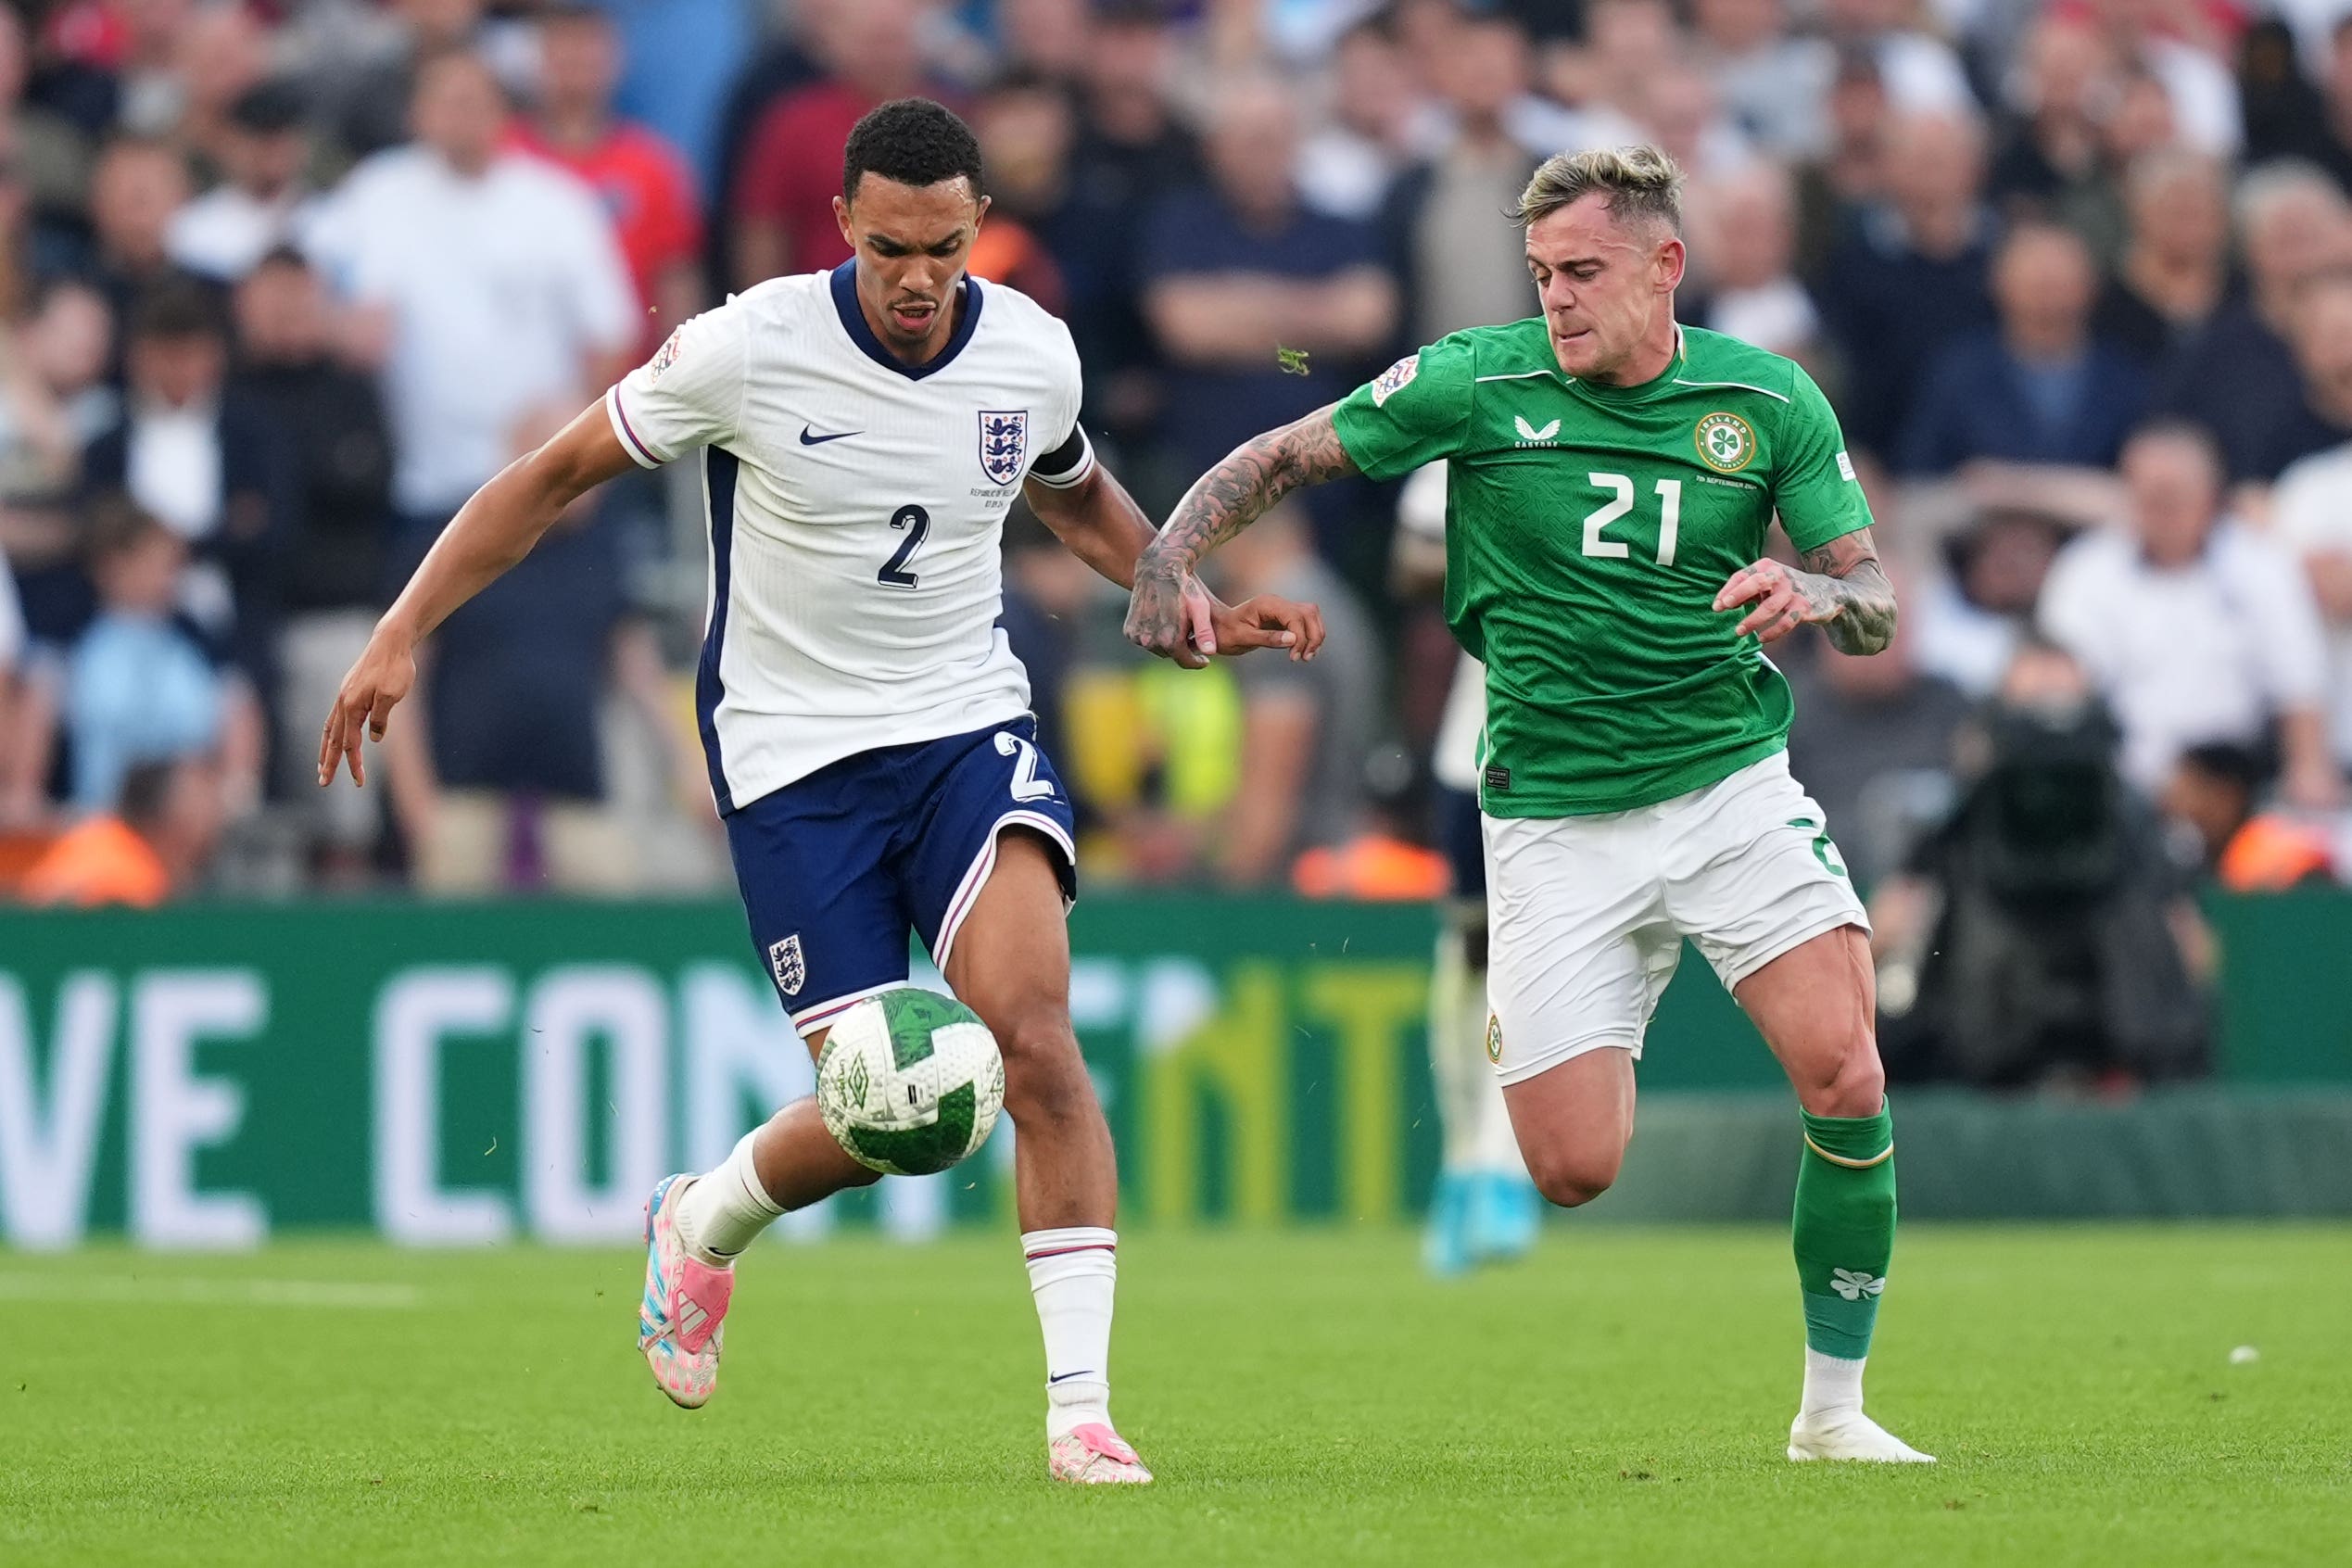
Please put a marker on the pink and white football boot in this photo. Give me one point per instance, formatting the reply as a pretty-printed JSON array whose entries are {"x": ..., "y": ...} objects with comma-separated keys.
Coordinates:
[
  {"x": 1091, "y": 1455},
  {"x": 684, "y": 1307}
]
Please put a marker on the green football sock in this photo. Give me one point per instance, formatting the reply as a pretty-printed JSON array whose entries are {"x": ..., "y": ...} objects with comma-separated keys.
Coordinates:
[{"x": 1845, "y": 1225}]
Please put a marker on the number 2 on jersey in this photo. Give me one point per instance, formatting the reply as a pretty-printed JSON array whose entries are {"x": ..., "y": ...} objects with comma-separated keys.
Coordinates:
[
  {"x": 1669, "y": 520},
  {"x": 917, "y": 525}
]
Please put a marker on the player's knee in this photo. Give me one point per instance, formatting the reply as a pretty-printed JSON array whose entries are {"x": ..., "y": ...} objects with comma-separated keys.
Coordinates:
[
  {"x": 1044, "y": 1073},
  {"x": 1572, "y": 1176},
  {"x": 1849, "y": 1080}
]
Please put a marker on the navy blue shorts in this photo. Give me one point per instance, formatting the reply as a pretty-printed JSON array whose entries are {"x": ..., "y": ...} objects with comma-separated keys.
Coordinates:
[{"x": 836, "y": 869}]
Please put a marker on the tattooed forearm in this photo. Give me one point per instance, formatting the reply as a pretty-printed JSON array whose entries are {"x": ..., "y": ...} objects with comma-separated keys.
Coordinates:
[
  {"x": 1239, "y": 491},
  {"x": 1847, "y": 592}
]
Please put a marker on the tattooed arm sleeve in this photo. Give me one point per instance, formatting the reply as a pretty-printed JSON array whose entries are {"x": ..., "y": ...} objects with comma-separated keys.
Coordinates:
[
  {"x": 1848, "y": 593},
  {"x": 1239, "y": 491}
]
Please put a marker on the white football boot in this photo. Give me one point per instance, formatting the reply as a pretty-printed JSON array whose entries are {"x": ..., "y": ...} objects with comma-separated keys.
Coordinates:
[{"x": 1849, "y": 1434}]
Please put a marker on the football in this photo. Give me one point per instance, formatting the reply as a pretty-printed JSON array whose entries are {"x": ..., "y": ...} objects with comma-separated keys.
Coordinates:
[{"x": 909, "y": 1081}]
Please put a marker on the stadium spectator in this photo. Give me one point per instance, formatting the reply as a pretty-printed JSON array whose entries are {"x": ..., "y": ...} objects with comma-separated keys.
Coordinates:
[
  {"x": 222, "y": 54},
  {"x": 48, "y": 153},
  {"x": 1744, "y": 225},
  {"x": 2194, "y": 629},
  {"x": 2216, "y": 793},
  {"x": 2170, "y": 44},
  {"x": 2238, "y": 378},
  {"x": 2052, "y": 162},
  {"x": 1873, "y": 742},
  {"x": 58, "y": 401},
  {"x": 138, "y": 685},
  {"x": 1233, "y": 270},
  {"x": 1967, "y": 621},
  {"x": 2039, "y": 388},
  {"x": 2174, "y": 272},
  {"x": 262, "y": 200},
  {"x": 1851, "y": 176},
  {"x": 497, "y": 287},
  {"x": 153, "y": 845},
  {"x": 363, "y": 81},
  {"x": 1306, "y": 727},
  {"x": 136, "y": 189},
  {"x": 1376, "y": 126},
  {"x": 1909, "y": 276},
  {"x": 1130, "y": 151},
  {"x": 1682, "y": 116},
  {"x": 332, "y": 580},
  {"x": 646, "y": 187},
  {"x": 1922, "y": 74},
  {"x": 1048, "y": 39},
  {"x": 782, "y": 202},
  {"x": 1774, "y": 83},
  {"x": 1627, "y": 43},
  {"x": 2311, "y": 513},
  {"x": 1455, "y": 265},
  {"x": 498, "y": 777},
  {"x": 1025, "y": 127},
  {"x": 218, "y": 471},
  {"x": 2285, "y": 115},
  {"x": 2320, "y": 336},
  {"x": 2042, "y": 934}
]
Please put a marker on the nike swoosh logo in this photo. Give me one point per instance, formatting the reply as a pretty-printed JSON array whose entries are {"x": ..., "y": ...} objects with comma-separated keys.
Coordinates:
[
  {"x": 1066, "y": 1376},
  {"x": 809, "y": 440}
]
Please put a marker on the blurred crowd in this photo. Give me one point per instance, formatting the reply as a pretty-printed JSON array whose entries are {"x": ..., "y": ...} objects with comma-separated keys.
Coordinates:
[{"x": 282, "y": 280}]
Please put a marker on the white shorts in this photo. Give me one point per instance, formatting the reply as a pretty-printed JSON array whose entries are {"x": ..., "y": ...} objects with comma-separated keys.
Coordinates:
[{"x": 1587, "y": 914}]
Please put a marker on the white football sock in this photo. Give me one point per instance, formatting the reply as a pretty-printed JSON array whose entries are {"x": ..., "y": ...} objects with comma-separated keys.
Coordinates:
[
  {"x": 722, "y": 1213},
  {"x": 1072, "y": 1272},
  {"x": 1832, "y": 1384}
]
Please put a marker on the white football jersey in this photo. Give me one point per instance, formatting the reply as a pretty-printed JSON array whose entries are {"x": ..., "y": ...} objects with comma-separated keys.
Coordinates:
[{"x": 855, "y": 506}]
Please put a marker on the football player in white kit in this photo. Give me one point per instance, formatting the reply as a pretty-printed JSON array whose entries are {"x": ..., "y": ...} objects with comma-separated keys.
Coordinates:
[{"x": 861, "y": 435}]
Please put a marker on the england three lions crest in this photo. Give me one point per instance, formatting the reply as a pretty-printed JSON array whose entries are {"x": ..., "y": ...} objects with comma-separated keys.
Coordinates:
[
  {"x": 784, "y": 961},
  {"x": 1004, "y": 444}
]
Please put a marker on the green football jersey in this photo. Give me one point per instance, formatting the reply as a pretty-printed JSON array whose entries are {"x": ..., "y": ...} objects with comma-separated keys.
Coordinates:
[{"x": 1588, "y": 531}]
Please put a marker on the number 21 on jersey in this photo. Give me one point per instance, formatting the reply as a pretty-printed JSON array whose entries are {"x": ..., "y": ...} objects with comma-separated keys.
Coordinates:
[{"x": 1669, "y": 492}]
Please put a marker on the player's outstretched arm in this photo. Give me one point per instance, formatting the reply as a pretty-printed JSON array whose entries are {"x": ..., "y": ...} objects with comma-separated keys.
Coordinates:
[
  {"x": 1840, "y": 588},
  {"x": 490, "y": 532},
  {"x": 1170, "y": 614},
  {"x": 1103, "y": 527}
]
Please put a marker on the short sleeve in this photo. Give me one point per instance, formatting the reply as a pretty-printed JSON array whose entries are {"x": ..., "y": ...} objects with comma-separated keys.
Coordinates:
[
  {"x": 1412, "y": 414},
  {"x": 1812, "y": 481},
  {"x": 690, "y": 394},
  {"x": 1070, "y": 456}
]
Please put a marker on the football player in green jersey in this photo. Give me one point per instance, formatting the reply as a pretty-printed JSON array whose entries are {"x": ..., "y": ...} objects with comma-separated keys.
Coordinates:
[{"x": 1611, "y": 478}]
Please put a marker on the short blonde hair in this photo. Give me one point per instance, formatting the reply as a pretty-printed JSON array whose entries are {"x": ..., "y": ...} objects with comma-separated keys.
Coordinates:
[{"x": 1642, "y": 184}]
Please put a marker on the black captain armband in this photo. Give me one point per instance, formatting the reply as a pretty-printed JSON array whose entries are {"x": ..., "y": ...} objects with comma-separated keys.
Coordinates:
[{"x": 1065, "y": 464}]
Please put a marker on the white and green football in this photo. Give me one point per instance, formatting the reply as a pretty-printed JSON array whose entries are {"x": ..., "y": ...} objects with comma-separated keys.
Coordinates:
[{"x": 909, "y": 1081}]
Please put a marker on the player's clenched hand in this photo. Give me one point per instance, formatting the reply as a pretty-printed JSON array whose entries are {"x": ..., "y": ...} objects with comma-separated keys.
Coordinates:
[
  {"x": 1781, "y": 597},
  {"x": 1172, "y": 615},
  {"x": 380, "y": 679},
  {"x": 1268, "y": 621}
]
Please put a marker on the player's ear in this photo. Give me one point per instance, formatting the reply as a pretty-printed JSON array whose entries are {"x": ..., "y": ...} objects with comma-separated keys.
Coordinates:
[
  {"x": 1670, "y": 262},
  {"x": 979, "y": 213},
  {"x": 841, "y": 216}
]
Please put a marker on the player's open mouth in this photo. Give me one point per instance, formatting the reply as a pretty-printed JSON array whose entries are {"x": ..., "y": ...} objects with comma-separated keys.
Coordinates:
[{"x": 915, "y": 316}]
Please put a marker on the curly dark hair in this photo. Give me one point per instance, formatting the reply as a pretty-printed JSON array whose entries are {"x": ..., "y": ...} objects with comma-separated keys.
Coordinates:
[{"x": 913, "y": 141}]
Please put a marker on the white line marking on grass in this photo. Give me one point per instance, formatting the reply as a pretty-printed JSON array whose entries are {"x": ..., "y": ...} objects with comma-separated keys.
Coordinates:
[{"x": 131, "y": 1291}]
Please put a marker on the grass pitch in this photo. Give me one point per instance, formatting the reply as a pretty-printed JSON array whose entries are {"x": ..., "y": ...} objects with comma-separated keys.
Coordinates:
[{"x": 1307, "y": 1398}]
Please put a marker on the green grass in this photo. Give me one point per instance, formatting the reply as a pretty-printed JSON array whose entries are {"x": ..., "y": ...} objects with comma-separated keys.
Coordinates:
[{"x": 1307, "y": 1398}]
